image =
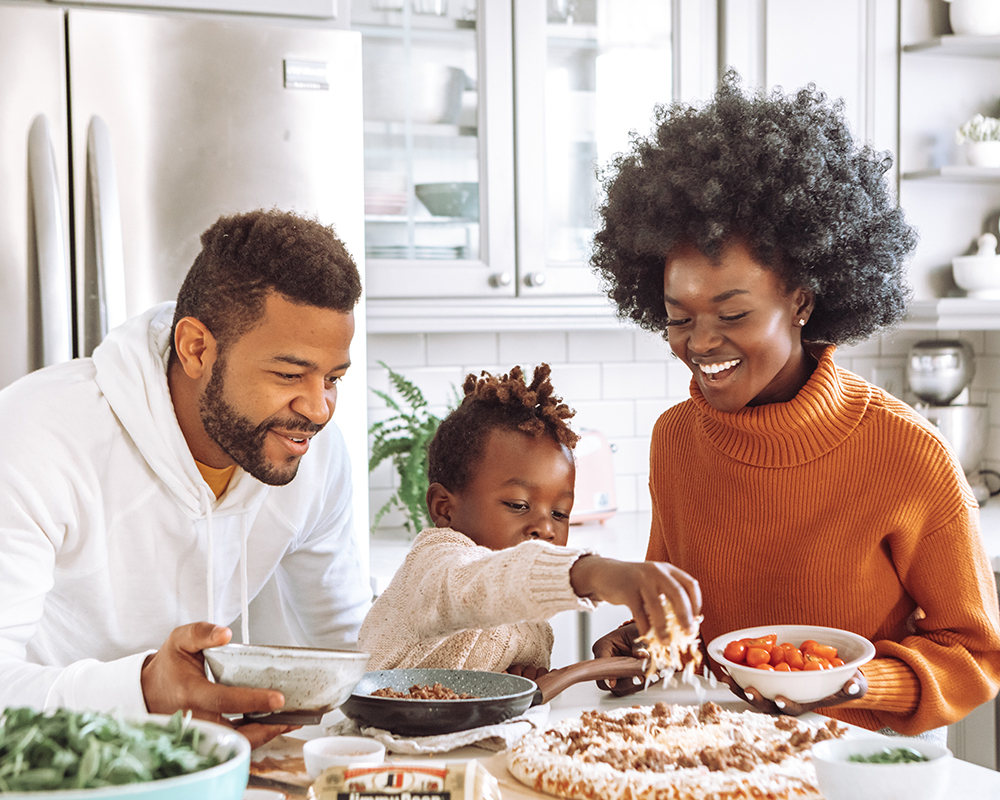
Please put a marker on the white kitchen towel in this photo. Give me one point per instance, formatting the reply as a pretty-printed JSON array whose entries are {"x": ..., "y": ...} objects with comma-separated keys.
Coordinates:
[{"x": 489, "y": 737}]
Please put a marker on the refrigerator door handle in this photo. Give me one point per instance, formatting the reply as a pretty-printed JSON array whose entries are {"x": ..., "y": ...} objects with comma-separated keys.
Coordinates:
[
  {"x": 50, "y": 337},
  {"x": 104, "y": 262}
]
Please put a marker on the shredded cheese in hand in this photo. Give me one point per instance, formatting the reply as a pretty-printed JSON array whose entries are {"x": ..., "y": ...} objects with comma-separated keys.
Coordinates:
[{"x": 668, "y": 657}]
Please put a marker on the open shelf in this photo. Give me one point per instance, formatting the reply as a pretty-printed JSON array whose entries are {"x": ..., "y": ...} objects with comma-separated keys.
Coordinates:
[{"x": 964, "y": 46}]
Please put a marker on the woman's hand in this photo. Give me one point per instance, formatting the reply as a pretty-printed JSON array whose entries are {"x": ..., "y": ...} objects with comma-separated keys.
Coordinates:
[
  {"x": 620, "y": 642},
  {"x": 855, "y": 688},
  {"x": 525, "y": 671}
]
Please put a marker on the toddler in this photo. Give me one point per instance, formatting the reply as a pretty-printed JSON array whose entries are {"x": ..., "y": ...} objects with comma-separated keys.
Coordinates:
[{"x": 475, "y": 590}]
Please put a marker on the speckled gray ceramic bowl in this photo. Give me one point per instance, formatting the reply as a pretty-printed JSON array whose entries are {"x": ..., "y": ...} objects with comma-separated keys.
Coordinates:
[{"x": 312, "y": 680}]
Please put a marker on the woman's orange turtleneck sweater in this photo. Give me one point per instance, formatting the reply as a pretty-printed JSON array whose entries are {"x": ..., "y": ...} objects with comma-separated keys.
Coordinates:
[{"x": 842, "y": 507}]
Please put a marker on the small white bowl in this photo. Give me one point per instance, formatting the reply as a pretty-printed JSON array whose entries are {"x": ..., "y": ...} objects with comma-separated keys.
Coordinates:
[
  {"x": 842, "y": 779},
  {"x": 340, "y": 751},
  {"x": 312, "y": 680},
  {"x": 979, "y": 276},
  {"x": 799, "y": 687}
]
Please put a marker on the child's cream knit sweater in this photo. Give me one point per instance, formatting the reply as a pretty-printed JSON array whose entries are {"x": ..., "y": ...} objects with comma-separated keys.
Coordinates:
[{"x": 456, "y": 605}]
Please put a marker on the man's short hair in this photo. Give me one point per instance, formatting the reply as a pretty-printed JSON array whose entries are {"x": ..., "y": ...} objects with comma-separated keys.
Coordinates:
[{"x": 245, "y": 257}]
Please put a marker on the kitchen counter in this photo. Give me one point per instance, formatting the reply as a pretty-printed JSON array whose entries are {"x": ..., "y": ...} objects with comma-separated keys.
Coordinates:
[{"x": 967, "y": 780}]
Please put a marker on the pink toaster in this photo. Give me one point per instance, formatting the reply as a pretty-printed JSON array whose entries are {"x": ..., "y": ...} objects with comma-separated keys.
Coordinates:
[{"x": 595, "y": 479}]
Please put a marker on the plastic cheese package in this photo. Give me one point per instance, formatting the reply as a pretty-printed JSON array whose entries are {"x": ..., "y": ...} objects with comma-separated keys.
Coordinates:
[{"x": 460, "y": 780}]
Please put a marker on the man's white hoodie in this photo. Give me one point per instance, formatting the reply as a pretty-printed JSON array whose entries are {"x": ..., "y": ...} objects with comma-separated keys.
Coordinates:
[{"x": 110, "y": 538}]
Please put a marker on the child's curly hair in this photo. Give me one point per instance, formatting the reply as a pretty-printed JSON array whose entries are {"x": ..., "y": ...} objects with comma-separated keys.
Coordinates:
[
  {"x": 782, "y": 174},
  {"x": 495, "y": 403}
]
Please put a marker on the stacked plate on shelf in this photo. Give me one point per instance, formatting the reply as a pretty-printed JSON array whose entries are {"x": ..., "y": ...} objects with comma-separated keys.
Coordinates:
[
  {"x": 403, "y": 251},
  {"x": 385, "y": 193}
]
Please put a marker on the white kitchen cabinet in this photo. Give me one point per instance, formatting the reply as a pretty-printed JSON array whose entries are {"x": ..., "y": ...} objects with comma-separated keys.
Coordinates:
[{"x": 552, "y": 91}]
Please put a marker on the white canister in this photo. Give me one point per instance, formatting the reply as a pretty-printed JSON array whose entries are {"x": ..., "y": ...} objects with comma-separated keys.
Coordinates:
[
  {"x": 983, "y": 154},
  {"x": 974, "y": 17}
]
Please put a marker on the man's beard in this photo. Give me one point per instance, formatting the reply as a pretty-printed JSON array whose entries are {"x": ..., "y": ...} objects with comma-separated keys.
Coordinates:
[{"x": 240, "y": 438}]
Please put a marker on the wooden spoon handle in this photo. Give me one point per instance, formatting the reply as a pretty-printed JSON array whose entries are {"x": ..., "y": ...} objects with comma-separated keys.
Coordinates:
[{"x": 558, "y": 680}]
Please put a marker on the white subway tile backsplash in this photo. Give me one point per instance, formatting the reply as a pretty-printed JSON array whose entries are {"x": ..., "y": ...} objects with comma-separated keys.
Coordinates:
[
  {"x": 630, "y": 454},
  {"x": 529, "y": 348},
  {"x": 461, "y": 348},
  {"x": 634, "y": 380},
  {"x": 577, "y": 383},
  {"x": 612, "y": 418},
  {"x": 650, "y": 346},
  {"x": 987, "y": 373},
  {"x": 601, "y": 345},
  {"x": 398, "y": 350}
]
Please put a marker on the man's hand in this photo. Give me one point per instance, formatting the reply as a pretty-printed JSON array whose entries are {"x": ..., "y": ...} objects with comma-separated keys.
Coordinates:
[
  {"x": 643, "y": 586},
  {"x": 174, "y": 679},
  {"x": 855, "y": 688}
]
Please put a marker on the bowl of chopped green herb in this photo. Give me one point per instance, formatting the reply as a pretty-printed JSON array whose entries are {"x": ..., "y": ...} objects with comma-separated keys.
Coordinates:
[
  {"x": 74, "y": 755},
  {"x": 881, "y": 768}
]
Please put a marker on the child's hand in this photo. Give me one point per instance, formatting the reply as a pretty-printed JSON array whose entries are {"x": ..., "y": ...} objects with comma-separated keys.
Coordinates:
[
  {"x": 642, "y": 586},
  {"x": 620, "y": 642},
  {"x": 525, "y": 671}
]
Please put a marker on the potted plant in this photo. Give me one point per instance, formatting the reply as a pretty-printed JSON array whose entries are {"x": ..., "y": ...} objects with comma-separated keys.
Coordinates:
[
  {"x": 403, "y": 438},
  {"x": 981, "y": 137}
]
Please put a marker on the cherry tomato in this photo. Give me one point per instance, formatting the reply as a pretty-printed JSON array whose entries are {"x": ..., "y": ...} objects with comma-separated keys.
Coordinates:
[
  {"x": 783, "y": 667},
  {"x": 757, "y": 656},
  {"x": 766, "y": 642},
  {"x": 836, "y": 662},
  {"x": 736, "y": 652},
  {"x": 767, "y": 667},
  {"x": 777, "y": 656},
  {"x": 824, "y": 651},
  {"x": 793, "y": 658},
  {"x": 812, "y": 665},
  {"x": 807, "y": 645}
]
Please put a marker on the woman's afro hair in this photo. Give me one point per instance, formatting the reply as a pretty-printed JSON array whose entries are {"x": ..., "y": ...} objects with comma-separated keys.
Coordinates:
[
  {"x": 495, "y": 403},
  {"x": 782, "y": 174}
]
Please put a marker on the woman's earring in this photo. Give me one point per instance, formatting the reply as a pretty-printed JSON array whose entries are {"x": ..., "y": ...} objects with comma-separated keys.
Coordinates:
[{"x": 802, "y": 323}]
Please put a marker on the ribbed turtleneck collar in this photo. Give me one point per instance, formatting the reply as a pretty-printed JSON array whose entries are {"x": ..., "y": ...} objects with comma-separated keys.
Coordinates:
[{"x": 819, "y": 418}]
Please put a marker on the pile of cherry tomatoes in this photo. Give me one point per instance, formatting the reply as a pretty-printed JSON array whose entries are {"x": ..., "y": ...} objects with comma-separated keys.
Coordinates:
[{"x": 765, "y": 653}]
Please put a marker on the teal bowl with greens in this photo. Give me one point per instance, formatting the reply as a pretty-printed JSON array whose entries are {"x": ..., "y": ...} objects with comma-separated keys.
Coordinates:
[{"x": 201, "y": 760}]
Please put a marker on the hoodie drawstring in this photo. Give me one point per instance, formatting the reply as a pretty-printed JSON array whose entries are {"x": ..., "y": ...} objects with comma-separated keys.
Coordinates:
[
  {"x": 244, "y": 603},
  {"x": 210, "y": 577}
]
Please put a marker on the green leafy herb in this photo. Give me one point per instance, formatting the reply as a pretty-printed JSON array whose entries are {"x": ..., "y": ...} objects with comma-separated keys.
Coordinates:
[
  {"x": 84, "y": 750},
  {"x": 403, "y": 438},
  {"x": 895, "y": 755}
]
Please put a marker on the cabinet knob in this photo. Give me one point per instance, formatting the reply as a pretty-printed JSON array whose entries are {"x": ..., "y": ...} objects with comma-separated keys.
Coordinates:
[
  {"x": 498, "y": 279},
  {"x": 534, "y": 279}
]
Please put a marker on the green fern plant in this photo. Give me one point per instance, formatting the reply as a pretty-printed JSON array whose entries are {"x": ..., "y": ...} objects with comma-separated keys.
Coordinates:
[{"x": 403, "y": 438}]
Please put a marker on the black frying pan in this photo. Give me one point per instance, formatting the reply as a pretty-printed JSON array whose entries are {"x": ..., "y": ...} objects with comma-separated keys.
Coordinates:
[{"x": 498, "y": 696}]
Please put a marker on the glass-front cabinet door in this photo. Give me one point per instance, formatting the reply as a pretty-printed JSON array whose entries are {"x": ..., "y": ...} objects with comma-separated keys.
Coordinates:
[
  {"x": 587, "y": 73},
  {"x": 485, "y": 124},
  {"x": 438, "y": 147}
]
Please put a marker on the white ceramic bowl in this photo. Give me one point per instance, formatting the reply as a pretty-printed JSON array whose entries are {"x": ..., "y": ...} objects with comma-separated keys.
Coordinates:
[
  {"x": 225, "y": 781},
  {"x": 312, "y": 680},
  {"x": 842, "y": 779},
  {"x": 340, "y": 751},
  {"x": 978, "y": 275},
  {"x": 800, "y": 687}
]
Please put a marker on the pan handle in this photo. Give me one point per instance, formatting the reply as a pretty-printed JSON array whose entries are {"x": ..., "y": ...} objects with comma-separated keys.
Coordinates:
[{"x": 558, "y": 680}]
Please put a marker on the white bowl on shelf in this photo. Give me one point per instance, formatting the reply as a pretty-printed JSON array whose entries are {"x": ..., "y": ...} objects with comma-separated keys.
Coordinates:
[
  {"x": 983, "y": 154},
  {"x": 978, "y": 275}
]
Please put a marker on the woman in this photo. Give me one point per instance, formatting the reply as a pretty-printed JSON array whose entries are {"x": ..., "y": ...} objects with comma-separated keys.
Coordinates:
[{"x": 757, "y": 237}]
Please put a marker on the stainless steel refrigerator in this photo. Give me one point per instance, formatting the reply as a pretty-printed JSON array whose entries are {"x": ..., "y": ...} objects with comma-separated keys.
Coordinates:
[{"x": 124, "y": 134}]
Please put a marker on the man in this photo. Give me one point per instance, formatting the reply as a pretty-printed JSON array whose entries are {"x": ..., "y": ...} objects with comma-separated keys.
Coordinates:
[{"x": 148, "y": 493}]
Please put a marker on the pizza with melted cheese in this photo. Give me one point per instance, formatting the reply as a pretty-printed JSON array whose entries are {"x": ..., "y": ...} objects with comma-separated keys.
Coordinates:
[{"x": 667, "y": 752}]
